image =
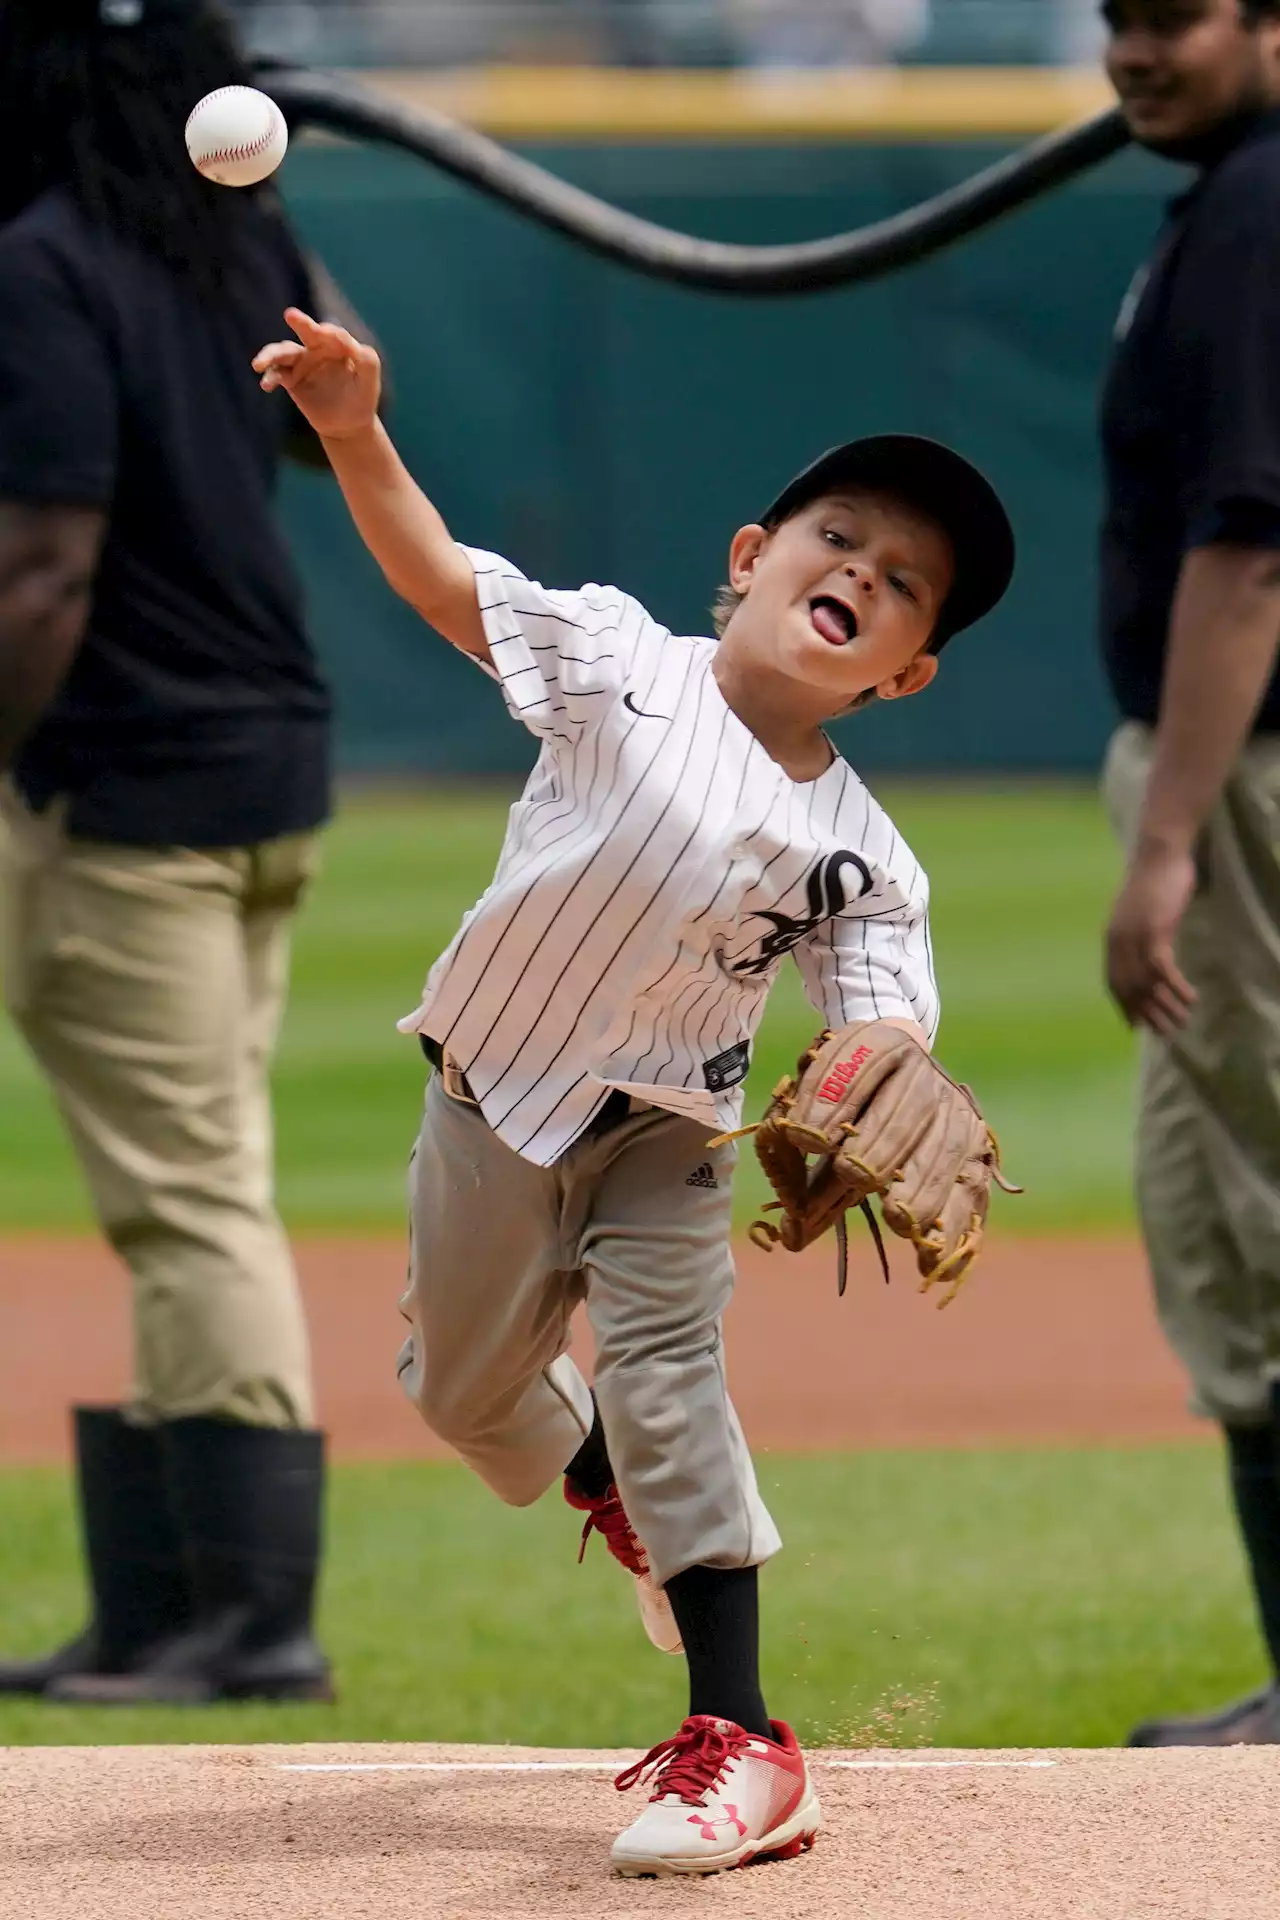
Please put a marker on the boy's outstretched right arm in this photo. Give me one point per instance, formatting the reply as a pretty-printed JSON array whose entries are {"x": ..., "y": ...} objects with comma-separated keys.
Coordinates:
[{"x": 336, "y": 382}]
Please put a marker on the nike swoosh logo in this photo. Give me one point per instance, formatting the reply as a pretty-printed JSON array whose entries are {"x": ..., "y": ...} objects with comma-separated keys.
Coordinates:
[{"x": 639, "y": 712}]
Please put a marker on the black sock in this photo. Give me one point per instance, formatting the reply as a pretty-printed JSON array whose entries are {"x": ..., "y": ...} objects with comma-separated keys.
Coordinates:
[
  {"x": 1254, "y": 1456},
  {"x": 717, "y": 1611},
  {"x": 589, "y": 1468}
]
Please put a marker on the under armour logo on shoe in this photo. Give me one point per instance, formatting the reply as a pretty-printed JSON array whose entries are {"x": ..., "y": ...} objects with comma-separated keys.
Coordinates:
[
  {"x": 703, "y": 1176},
  {"x": 709, "y": 1827}
]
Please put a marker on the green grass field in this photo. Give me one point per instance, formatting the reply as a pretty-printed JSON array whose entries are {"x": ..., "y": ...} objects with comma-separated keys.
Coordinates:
[
  {"x": 1021, "y": 878},
  {"x": 966, "y": 1599},
  {"x": 1022, "y": 1598}
]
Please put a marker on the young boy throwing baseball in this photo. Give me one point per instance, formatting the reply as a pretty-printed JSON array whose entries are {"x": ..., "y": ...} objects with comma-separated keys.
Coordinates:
[{"x": 688, "y": 824}]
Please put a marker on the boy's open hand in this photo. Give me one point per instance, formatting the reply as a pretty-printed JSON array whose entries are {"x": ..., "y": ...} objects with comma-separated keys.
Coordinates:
[{"x": 330, "y": 377}]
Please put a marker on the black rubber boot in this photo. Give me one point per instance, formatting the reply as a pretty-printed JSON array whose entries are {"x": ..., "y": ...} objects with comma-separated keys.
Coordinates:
[
  {"x": 1253, "y": 1456},
  {"x": 1254, "y": 1722},
  {"x": 248, "y": 1505},
  {"x": 141, "y": 1597}
]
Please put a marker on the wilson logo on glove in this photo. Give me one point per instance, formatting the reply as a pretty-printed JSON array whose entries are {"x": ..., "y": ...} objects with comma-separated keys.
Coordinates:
[{"x": 841, "y": 1074}]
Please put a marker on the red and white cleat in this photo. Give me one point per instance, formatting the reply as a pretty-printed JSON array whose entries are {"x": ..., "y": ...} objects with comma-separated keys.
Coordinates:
[
  {"x": 721, "y": 1797},
  {"x": 607, "y": 1516}
]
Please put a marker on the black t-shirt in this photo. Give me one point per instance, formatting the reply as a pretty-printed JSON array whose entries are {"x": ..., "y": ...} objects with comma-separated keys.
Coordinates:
[
  {"x": 1191, "y": 410},
  {"x": 194, "y": 713}
]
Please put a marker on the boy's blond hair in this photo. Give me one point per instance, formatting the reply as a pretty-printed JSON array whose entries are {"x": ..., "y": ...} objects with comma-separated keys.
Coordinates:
[{"x": 723, "y": 608}]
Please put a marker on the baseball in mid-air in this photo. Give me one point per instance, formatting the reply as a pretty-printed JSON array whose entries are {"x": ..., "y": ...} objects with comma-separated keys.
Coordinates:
[{"x": 237, "y": 136}]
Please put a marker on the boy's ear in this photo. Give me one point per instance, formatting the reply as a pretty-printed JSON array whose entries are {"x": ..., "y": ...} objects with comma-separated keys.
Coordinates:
[
  {"x": 745, "y": 548},
  {"x": 913, "y": 678}
]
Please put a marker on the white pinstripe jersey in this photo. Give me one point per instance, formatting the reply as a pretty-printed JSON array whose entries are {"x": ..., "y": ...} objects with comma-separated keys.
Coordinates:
[{"x": 656, "y": 870}]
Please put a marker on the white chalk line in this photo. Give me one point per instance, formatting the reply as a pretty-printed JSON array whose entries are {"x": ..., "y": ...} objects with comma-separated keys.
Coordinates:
[
  {"x": 610, "y": 1766},
  {"x": 446, "y": 1766}
]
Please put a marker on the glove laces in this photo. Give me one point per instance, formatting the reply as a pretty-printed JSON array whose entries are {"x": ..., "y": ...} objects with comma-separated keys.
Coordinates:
[{"x": 688, "y": 1765}]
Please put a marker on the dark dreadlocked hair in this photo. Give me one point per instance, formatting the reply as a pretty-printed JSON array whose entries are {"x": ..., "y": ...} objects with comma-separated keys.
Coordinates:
[{"x": 95, "y": 95}]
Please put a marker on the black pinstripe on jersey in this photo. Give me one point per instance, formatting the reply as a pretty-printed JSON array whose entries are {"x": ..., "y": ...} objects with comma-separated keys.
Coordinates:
[{"x": 655, "y": 871}]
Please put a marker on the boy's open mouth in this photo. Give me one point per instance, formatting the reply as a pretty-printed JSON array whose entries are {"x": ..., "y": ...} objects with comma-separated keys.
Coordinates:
[{"x": 836, "y": 623}]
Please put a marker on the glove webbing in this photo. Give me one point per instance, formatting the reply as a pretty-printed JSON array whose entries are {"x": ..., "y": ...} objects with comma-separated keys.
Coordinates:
[{"x": 765, "y": 1235}]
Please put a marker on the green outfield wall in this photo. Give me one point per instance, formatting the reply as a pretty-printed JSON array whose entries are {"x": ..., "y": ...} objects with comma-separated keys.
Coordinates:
[{"x": 594, "y": 425}]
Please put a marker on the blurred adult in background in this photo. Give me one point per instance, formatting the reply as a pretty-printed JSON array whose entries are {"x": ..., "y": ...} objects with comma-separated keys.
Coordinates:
[
  {"x": 1190, "y": 624},
  {"x": 825, "y": 33},
  {"x": 166, "y": 732}
]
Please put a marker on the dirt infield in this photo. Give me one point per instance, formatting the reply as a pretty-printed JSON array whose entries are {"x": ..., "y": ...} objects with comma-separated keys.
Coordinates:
[
  {"x": 1051, "y": 1340},
  {"x": 430, "y": 1833}
]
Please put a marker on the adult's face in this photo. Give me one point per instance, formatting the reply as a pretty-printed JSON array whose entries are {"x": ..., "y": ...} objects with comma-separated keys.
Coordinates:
[{"x": 1185, "y": 68}]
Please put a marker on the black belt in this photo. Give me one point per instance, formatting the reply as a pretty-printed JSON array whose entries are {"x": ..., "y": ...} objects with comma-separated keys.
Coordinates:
[
  {"x": 433, "y": 1050},
  {"x": 615, "y": 1110}
]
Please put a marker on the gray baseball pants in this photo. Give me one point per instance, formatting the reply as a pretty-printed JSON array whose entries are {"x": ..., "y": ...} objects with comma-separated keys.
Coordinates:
[{"x": 502, "y": 1253}]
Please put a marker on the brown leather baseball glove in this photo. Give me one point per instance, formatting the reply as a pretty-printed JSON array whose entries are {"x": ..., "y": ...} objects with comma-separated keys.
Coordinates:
[{"x": 877, "y": 1115}]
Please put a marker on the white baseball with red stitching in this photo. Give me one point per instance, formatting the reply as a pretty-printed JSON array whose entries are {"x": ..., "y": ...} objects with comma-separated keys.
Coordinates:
[{"x": 237, "y": 136}]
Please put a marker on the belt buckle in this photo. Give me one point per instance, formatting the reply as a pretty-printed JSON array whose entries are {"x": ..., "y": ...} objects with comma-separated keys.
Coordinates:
[{"x": 454, "y": 1082}]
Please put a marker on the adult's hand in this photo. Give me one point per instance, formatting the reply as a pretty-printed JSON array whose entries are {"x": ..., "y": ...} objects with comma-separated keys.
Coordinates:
[
  {"x": 1222, "y": 654},
  {"x": 48, "y": 563},
  {"x": 1146, "y": 982}
]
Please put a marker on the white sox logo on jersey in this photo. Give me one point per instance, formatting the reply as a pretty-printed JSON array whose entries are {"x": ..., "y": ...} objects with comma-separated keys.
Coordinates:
[{"x": 827, "y": 899}]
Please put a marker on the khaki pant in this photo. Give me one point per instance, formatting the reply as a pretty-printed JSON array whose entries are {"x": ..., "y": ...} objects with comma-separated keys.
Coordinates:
[
  {"x": 149, "y": 983},
  {"x": 634, "y": 1221},
  {"x": 1208, "y": 1149}
]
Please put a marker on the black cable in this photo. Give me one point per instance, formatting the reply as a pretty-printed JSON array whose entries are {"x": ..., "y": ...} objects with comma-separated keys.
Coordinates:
[{"x": 345, "y": 107}]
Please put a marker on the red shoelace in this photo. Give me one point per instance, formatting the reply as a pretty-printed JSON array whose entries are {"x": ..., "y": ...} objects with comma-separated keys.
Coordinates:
[
  {"x": 689, "y": 1764},
  {"x": 607, "y": 1516}
]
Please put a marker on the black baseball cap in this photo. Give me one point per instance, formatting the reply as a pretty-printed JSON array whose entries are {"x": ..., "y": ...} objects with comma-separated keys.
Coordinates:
[{"x": 942, "y": 484}]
